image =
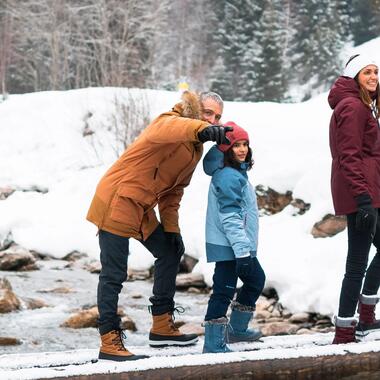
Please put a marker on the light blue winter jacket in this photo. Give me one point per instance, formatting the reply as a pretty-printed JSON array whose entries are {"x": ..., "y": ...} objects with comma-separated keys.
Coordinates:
[{"x": 232, "y": 221}]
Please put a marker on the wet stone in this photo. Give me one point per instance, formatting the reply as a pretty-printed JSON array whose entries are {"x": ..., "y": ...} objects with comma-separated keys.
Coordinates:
[
  {"x": 329, "y": 226},
  {"x": 128, "y": 324},
  {"x": 93, "y": 267},
  {"x": 187, "y": 263},
  {"x": 8, "y": 300},
  {"x": 16, "y": 258},
  {"x": 75, "y": 256},
  {"x": 278, "y": 328},
  {"x": 34, "y": 303},
  {"x": 86, "y": 318},
  {"x": 299, "y": 318},
  {"x": 5, "y": 192},
  {"x": 187, "y": 280},
  {"x": 59, "y": 290},
  {"x": 9, "y": 341}
]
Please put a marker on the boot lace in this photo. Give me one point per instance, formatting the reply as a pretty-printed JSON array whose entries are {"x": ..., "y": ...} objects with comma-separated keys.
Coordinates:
[
  {"x": 118, "y": 340},
  {"x": 367, "y": 313},
  {"x": 179, "y": 310}
]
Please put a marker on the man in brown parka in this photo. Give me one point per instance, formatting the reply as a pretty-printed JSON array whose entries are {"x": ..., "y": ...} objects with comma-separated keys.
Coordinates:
[{"x": 154, "y": 170}]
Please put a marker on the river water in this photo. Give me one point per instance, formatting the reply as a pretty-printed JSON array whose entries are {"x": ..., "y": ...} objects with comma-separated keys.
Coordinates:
[{"x": 39, "y": 329}]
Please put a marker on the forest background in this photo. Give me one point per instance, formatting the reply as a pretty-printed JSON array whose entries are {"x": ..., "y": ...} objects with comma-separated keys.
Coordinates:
[{"x": 261, "y": 50}]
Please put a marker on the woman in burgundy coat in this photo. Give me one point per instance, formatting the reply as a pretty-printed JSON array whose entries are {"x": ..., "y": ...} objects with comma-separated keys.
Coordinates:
[{"x": 355, "y": 187}]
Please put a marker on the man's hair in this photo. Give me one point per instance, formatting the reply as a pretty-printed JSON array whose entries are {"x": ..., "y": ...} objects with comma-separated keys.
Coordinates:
[{"x": 211, "y": 95}]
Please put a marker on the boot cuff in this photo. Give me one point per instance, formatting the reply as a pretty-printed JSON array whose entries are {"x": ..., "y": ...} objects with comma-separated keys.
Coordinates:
[
  {"x": 369, "y": 300},
  {"x": 345, "y": 322},
  {"x": 218, "y": 321},
  {"x": 238, "y": 306}
]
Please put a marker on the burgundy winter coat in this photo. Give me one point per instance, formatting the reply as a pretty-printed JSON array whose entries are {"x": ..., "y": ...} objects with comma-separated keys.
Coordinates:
[{"x": 355, "y": 148}]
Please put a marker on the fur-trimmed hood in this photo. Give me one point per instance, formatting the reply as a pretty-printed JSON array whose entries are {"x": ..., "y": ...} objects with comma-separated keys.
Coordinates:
[{"x": 190, "y": 106}]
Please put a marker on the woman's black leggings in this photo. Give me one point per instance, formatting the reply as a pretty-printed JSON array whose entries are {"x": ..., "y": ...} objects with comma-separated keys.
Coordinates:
[{"x": 359, "y": 244}]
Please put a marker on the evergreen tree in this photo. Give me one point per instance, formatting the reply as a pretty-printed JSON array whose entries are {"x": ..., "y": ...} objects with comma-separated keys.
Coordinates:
[
  {"x": 236, "y": 34},
  {"x": 269, "y": 80},
  {"x": 365, "y": 20},
  {"x": 316, "y": 47}
]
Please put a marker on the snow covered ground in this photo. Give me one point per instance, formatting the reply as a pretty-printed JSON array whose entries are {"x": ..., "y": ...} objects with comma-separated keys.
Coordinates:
[
  {"x": 82, "y": 362},
  {"x": 42, "y": 145}
]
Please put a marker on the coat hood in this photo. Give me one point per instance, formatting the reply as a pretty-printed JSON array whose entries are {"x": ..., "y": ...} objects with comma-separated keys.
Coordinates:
[
  {"x": 213, "y": 161},
  {"x": 343, "y": 87},
  {"x": 190, "y": 106}
]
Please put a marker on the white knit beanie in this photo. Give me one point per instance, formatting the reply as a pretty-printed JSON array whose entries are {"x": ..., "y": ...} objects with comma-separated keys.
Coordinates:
[{"x": 356, "y": 64}]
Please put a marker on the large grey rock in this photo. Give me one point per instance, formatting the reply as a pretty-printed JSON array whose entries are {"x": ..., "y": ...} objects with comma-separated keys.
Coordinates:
[
  {"x": 17, "y": 258},
  {"x": 5, "y": 192},
  {"x": 299, "y": 318},
  {"x": 93, "y": 266},
  {"x": 329, "y": 226},
  {"x": 187, "y": 263},
  {"x": 279, "y": 328},
  {"x": 187, "y": 280},
  {"x": 6, "y": 241},
  {"x": 270, "y": 201},
  {"x": 9, "y": 341},
  {"x": 8, "y": 300},
  {"x": 34, "y": 303},
  {"x": 88, "y": 318}
]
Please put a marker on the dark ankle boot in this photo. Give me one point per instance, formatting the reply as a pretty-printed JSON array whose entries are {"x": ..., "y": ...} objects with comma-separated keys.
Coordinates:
[
  {"x": 367, "y": 319},
  {"x": 344, "y": 330}
]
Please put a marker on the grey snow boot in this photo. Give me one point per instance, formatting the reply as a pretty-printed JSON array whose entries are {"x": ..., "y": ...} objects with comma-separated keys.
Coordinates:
[
  {"x": 240, "y": 317},
  {"x": 215, "y": 336}
]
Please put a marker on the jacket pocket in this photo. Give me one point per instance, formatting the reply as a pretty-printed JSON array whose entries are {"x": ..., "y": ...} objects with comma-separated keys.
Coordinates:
[{"x": 128, "y": 207}]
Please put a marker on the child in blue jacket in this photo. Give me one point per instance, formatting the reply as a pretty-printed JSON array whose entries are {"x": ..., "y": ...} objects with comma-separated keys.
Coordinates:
[{"x": 232, "y": 225}]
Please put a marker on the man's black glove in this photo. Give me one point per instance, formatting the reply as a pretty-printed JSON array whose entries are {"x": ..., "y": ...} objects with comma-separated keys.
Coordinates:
[
  {"x": 215, "y": 133},
  {"x": 366, "y": 215},
  {"x": 175, "y": 240},
  {"x": 243, "y": 266}
]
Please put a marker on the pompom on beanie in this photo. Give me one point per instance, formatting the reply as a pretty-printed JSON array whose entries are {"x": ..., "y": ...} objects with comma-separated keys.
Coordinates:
[
  {"x": 237, "y": 134},
  {"x": 356, "y": 63}
]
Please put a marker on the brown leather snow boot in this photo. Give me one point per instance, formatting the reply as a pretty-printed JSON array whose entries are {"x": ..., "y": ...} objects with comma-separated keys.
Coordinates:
[
  {"x": 112, "y": 347},
  {"x": 165, "y": 333}
]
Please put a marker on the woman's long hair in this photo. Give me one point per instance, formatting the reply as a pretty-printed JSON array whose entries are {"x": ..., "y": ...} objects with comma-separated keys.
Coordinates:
[
  {"x": 229, "y": 159},
  {"x": 365, "y": 97}
]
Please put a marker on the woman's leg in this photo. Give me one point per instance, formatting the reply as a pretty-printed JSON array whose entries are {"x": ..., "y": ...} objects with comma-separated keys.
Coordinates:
[
  {"x": 372, "y": 277},
  {"x": 359, "y": 243}
]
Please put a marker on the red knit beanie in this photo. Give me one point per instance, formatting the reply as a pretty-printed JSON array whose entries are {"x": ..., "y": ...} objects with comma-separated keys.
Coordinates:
[{"x": 237, "y": 134}]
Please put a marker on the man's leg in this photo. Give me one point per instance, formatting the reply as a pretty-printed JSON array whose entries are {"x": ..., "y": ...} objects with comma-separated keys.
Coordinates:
[
  {"x": 114, "y": 252},
  {"x": 166, "y": 267},
  {"x": 114, "y": 260}
]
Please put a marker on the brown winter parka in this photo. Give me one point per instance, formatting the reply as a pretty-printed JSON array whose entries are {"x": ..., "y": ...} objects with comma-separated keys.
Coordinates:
[{"x": 152, "y": 171}]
